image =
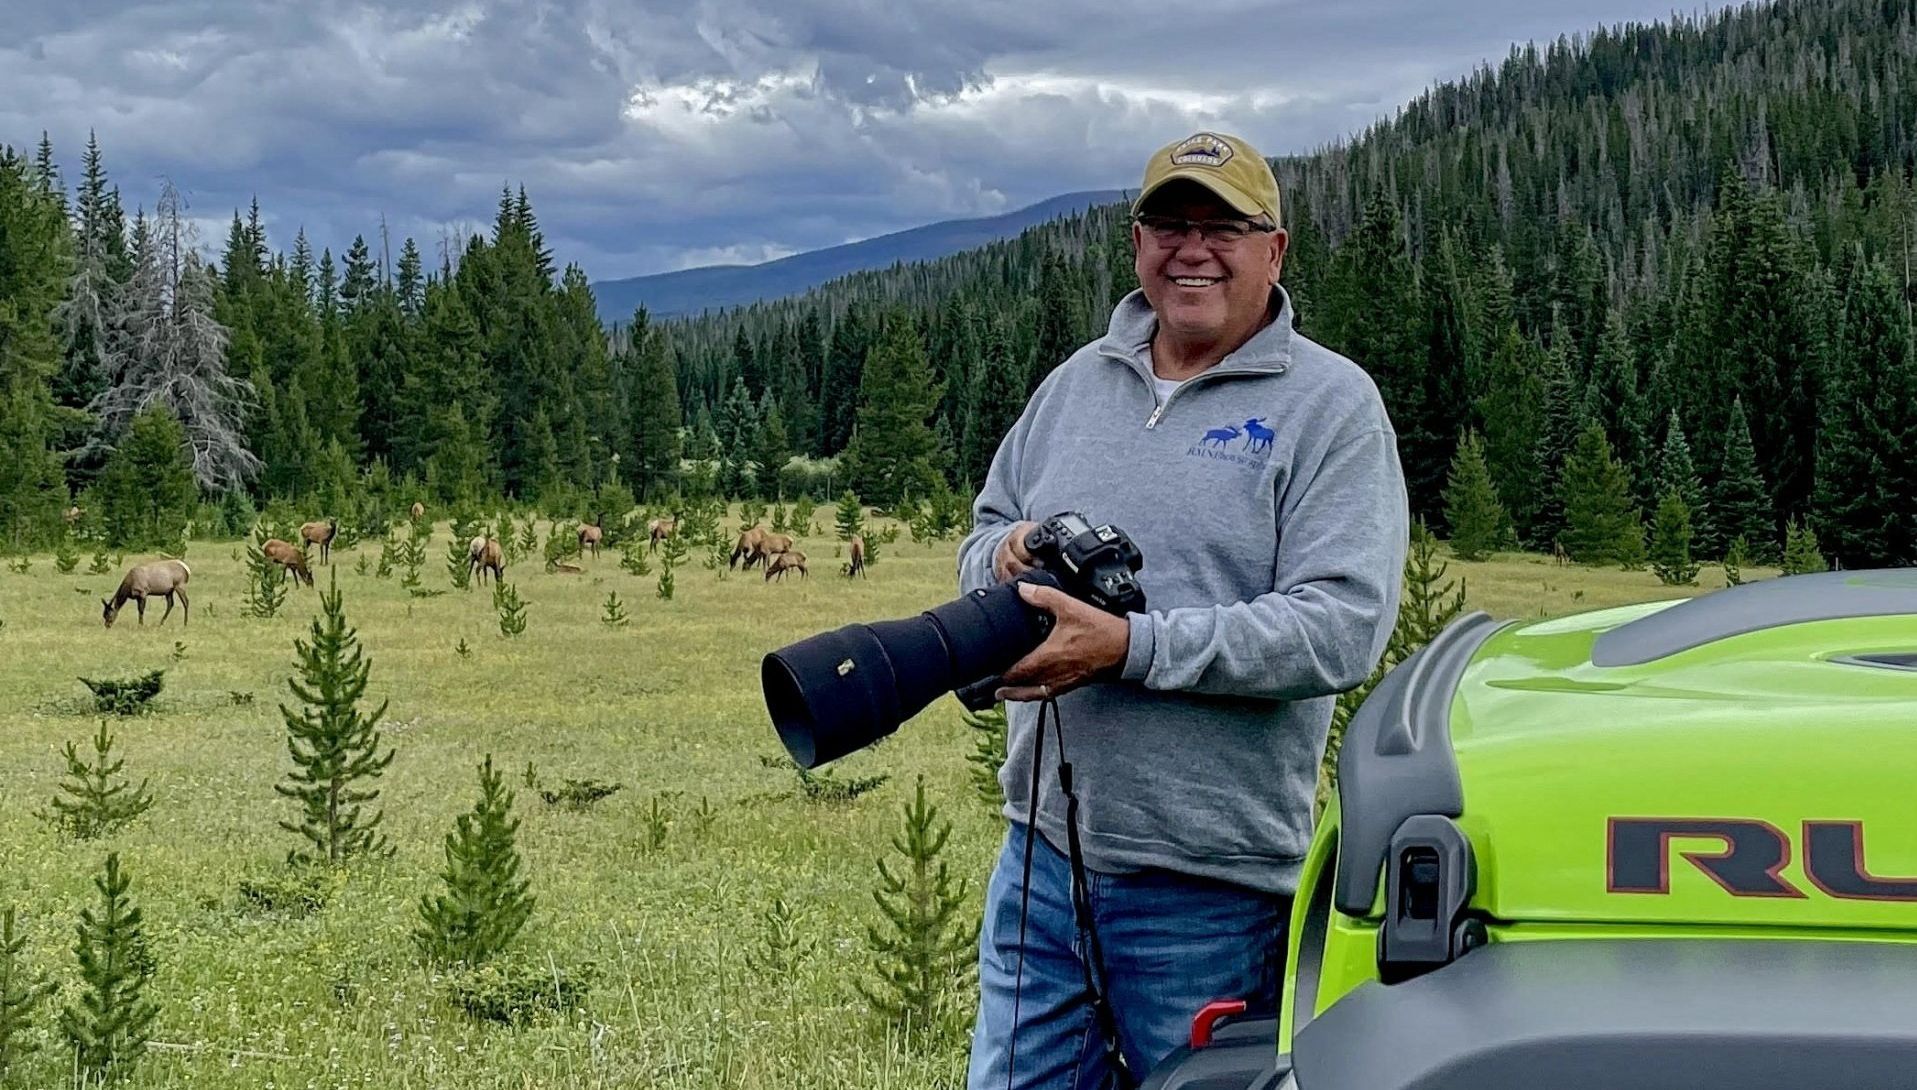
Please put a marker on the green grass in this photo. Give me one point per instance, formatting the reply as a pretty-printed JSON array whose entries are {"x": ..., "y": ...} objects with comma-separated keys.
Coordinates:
[{"x": 668, "y": 706}]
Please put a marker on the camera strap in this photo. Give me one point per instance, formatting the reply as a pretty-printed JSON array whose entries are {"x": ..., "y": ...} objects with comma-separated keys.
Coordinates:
[{"x": 1119, "y": 1073}]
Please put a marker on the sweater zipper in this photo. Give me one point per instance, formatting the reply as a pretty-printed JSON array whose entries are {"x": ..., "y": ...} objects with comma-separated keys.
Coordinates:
[{"x": 1159, "y": 407}]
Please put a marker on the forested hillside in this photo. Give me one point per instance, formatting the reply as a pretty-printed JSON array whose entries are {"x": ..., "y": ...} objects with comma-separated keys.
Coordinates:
[{"x": 1656, "y": 260}]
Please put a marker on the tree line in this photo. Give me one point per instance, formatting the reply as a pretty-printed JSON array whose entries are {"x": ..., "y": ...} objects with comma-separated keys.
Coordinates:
[{"x": 1696, "y": 236}]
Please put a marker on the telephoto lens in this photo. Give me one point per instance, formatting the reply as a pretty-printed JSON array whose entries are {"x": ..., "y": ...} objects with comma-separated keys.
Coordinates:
[{"x": 842, "y": 690}]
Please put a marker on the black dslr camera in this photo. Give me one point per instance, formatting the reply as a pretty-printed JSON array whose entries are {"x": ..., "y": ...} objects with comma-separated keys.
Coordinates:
[{"x": 840, "y": 691}]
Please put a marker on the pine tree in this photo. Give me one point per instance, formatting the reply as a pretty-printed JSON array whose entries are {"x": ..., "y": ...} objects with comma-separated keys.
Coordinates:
[
  {"x": 1676, "y": 472},
  {"x": 1513, "y": 408},
  {"x": 486, "y": 903},
  {"x": 265, "y": 580},
  {"x": 95, "y": 801},
  {"x": 21, "y": 992},
  {"x": 1601, "y": 524},
  {"x": 615, "y": 615},
  {"x": 176, "y": 355},
  {"x": 65, "y": 556},
  {"x": 1736, "y": 559},
  {"x": 891, "y": 451},
  {"x": 1479, "y": 526},
  {"x": 1060, "y": 319},
  {"x": 851, "y": 516},
  {"x": 656, "y": 417},
  {"x": 459, "y": 564},
  {"x": 512, "y": 611},
  {"x": 1671, "y": 542},
  {"x": 1865, "y": 499},
  {"x": 988, "y": 752},
  {"x": 1616, "y": 403},
  {"x": 925, "y": 944},
  {"x": 334, "y": 748},
  {"x": 34, "y": 259},
  {"x": 771, "y": 449},
  {"x": 1741, "y": 504},
  {"x": 1801, "y": 552},
  {"x": 1563, "y": 420},
  {"x": 146, "y": 494},
  {"x": 996, "y": 402},
  {"x": 109, "y": 1025}
]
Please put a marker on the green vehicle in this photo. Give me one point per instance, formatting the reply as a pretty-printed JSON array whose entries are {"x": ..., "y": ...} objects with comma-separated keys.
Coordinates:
[{"x": 1663, "y": 845}]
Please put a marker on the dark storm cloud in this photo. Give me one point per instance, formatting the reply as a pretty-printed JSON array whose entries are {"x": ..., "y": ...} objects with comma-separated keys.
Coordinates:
[{"x": 652, "y": 135}]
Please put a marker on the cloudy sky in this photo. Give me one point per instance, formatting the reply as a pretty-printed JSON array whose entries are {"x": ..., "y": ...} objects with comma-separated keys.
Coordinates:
[{"x": 654, "y": 134}]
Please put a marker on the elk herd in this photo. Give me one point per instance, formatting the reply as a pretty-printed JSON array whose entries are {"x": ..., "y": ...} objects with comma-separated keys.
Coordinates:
[{"x": 756, "y": 546}]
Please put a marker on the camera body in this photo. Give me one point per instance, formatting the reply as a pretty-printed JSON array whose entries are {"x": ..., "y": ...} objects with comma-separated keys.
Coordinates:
[{"x": 1095, "y": 564}]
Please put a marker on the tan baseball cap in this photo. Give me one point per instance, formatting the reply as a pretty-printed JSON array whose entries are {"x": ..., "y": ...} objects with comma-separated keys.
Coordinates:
[{"x": 1224, "y": 164}]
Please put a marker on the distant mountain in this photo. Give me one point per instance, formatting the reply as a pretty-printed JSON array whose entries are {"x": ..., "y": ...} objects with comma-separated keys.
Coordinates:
[{"x": 689, "y": 291}]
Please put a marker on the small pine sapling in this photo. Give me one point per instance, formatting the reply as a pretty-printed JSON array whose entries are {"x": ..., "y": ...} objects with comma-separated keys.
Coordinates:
[
  {"x": 333, "y": 746},
  {"x": 109, "y": 1026},
  {"x": 265, "y": 580},
  {"x": 65, "y": 556},
  {"x": 657, "y": 825},
  {"x": 1737, "y": 557},
  {"x": 512, "y": 611},
  {"x": 923, "y": 945},
  {"x": 988, "y": 752},
  {"x": 458, "y": 565},
  {"x": 21, "y": 993},
  {"x": 486, "y": 902},
  {"x": 615, "y": 615},
  {"x": 782, "y": 944},
  {"x": 1801, "y": 552},
  {"x": 95, "y": 799}
]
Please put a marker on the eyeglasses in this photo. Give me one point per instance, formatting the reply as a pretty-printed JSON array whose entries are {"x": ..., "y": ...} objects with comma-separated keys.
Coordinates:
[{"x": 1171, "y": 230}]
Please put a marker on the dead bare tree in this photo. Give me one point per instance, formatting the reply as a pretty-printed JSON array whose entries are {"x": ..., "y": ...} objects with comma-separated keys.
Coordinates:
[{"x": 173, "y": 353}]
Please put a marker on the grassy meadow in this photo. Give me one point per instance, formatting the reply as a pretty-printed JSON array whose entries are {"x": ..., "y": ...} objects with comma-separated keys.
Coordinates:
[{"x": 669, "y": 707}]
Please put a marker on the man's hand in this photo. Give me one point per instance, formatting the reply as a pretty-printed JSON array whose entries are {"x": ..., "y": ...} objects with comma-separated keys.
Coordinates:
[
  {"x": 1011, "y": 559},
  {"x": 1085, "y": 642}
]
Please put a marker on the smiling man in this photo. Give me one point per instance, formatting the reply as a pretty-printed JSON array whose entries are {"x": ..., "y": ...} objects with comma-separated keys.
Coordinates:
[{"x": 1258, "y": 473}]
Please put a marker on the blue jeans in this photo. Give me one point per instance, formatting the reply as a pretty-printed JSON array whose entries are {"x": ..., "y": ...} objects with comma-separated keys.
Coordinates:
[{"x": 1172, "y": 943}]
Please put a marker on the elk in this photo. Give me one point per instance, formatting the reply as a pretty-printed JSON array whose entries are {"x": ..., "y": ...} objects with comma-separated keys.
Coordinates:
[
  {"x": 419, "y": 511},
  {"x": 72, "y": 514},
  {"x": 771, "y": 545},
  {"x": 321, "y": 534},
  {"x": 658, "y": 530},
  {"x": 857, "y": 551},
  {"x": 483, "y": 554},
  {"x": 289, "y": 558},
  {"x": 161, "y": 577},
  {"x": 783, "y": 562},
  {"x": 591, "y": 534},
  {"x": 747, "y": 548}
]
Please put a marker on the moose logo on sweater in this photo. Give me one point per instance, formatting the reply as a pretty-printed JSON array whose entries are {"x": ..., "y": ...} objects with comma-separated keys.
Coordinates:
[{"x": 1222, "y": 443}]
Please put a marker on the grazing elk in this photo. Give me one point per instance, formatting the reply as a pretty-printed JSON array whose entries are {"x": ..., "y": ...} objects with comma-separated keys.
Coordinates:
[
  {"x": 290, "y": 559},
  {"x": 418, "y": 511},
  {"x": 779, "y": 564},
  {"x": 658, "y": 530},
  {"x": 590, "y": 535},
  {"x": 165, "y": 578},
  {"x": 483, "y": 554},
  {"x": 856, "y": 565},
  {"x": 321, "y": 534},
  {"x": 768, "y": 546},
  {"x": 747, "y": 547}
]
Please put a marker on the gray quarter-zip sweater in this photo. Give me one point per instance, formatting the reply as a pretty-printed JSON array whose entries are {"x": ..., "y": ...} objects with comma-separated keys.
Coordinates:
[{"x": 1268, "y": 500}]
